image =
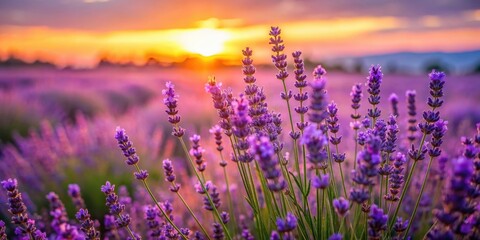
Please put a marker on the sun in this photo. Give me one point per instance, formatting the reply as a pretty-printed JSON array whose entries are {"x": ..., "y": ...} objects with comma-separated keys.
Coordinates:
[{"x": 204, "y": 41}]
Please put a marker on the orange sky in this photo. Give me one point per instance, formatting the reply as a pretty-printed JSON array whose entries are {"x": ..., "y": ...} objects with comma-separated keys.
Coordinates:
[{"x": 224, "y": 38}]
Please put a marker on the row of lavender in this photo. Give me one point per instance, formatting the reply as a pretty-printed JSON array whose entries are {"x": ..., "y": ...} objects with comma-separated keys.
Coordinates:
[{"x": 295, "y": 185}]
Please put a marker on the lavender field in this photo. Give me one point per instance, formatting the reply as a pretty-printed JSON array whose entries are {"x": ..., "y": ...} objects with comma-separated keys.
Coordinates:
[{"x": 231, "y": 153}]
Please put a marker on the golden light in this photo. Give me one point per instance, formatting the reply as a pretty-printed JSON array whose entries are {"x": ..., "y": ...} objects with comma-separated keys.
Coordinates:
[{"x": 204, "y": 41}]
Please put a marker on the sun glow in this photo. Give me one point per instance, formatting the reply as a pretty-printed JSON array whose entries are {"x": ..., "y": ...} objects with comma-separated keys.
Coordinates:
[{"x": 204, "y": 41}]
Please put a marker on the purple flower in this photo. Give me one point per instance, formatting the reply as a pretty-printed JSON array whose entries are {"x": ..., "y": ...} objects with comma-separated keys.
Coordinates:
[
  {"x": 170, "y": 100},
  {"x": 168, "y": 209},
  {"x": 315, "y": 142},
  {"x": 440, "y": 128},
  {"x": 336, "y": 236},
  {"x": 278, "y": 57},
  {"x": 400, "y": 226},
  {"x": 288, "y": 224},
  {"x": 392, "y": 131},
  {"x": 225, "y": 217},
  {"x": 3, "y": 235},
  {"x": 396, "y": 178},
  {"x": 129, "y": 152},
  {"x": 197, "y": 152},
  {"x": 151, "y": 216},
  {"x": 456, "y": 204},
  {"x": 321, "y": 181},
  {"x": 318, "y": 102},
  {"x": 300, "y": 84},
  {"x": 169, "y": 175},
  {"x": 436, "y": 86},
  {"x": 248, "y": 68},
  {"x": 218, "y": 232},
  {"x": 142, "y": 175},
  {"x": 214, "y": 195},
  {"x": 367, "y": 162},
  {"x": 217, "y": 133},
  {"x": 434, "y": 101},
  {"x": 241, "y": 122},
  {"x": 18, "y": 210},
  {"x": 356, "y": 95},
  {"x": 115, "y": 207},
  {"x": 332, "y": 122},
  {"x": 263, "y": 151},
  {"x": 126, "y": 146},
  {"x": 377, "y": 222},
  {"x": 58, "y": 212},
  {"x": 393, "y": 99},
  {"x": 274, "y": 236},
  {"x": 221, "y": 102},
  {"x": 87, "y": 225},
  {"x": 74, "y": 193},
  {"x": 341, "y": 206},
  {"x": 412, "y": 112},
  {"x": 374, "y": 81}
]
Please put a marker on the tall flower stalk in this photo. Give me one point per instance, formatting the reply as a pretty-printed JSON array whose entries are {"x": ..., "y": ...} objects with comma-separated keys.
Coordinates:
[
  {"x": 430, "y": 117},
  {"x": 170, "y": 101},
  {"x": 132, "y": 159},
  {"x": 374, "y": 80},
  {"x": 279, "y": 59},
  {"x": 356, "y": 95}
]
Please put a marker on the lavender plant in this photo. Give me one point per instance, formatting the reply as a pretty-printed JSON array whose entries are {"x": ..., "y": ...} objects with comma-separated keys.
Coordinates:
[{"x": 374, "y": 190}]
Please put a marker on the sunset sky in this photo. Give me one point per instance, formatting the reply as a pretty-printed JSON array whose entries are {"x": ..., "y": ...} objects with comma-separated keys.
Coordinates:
[{"x": 79, "y": 32}]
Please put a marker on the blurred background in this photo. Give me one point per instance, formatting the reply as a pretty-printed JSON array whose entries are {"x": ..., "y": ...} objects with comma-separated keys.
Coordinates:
[{"x": 73, "y": 70}]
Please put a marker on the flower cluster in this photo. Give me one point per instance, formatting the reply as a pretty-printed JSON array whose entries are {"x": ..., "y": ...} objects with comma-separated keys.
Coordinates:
[{"x": 314, "y": 181}]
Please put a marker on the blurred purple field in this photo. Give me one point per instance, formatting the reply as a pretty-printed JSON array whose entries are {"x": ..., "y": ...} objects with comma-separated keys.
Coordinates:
[
  {"x": 57, "y": 127},
  {"x": 31, "y": 96}
]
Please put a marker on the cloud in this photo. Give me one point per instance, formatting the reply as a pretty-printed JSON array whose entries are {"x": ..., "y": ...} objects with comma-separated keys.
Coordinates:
[
  {"x": 95, "y": 1},
  {"x": 164, "y": 14}
]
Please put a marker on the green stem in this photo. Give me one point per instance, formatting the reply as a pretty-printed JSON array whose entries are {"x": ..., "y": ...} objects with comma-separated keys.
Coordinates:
[
  {"x": 295, "y": 146},
  {"x": 128, "y": 229},
  {"x": 381, "y": 190},
  {"x": 419, "y": 196},
  {"x": 355, "y": 153},
  {"x": 154, "y": 199},
  {"x": 405, "y": 186},
  {"x": 193, "y": 215},
  {"x": 215, "y": 210},
  {"x": 341, "y": 171}
]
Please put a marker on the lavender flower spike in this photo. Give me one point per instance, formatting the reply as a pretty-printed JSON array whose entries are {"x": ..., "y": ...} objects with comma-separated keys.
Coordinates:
[
  {"x": 17, "y": 208},
  {"x": 264, "y": 152},
  {"x": 151, "y": 215},
  {"x": 74, "y": 193},
  {"x": 221, "y": 103},
  {"x": 170, "y": 176},
  {"x": 394, "y": 102},
  {"x": 87, "y": 225},
  {"x": 356, "y": 95},
  {"x": 412, "y": 112},
  {"x": 377, "y": 222},
  {"x": 114, "y": 206},
  {"x": 288, "y": 224},
  {"x": 321, "y": 181},
  {"x": 197, "y": 152},
  {"x": 374, "y": 81},
  {"x": 300, "y": 83},
  {"x": 315, "y": 142},
  {"x": 126, "y": 146},
  {"x": 279, "y": 58},
  {"x": 341, "y": 206},
  {"x": 3, "y": 235},
  {"x": 170, "y": 100},
  {"x": 129, "y": 152},
  {"x": 318, "y": 104}
]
